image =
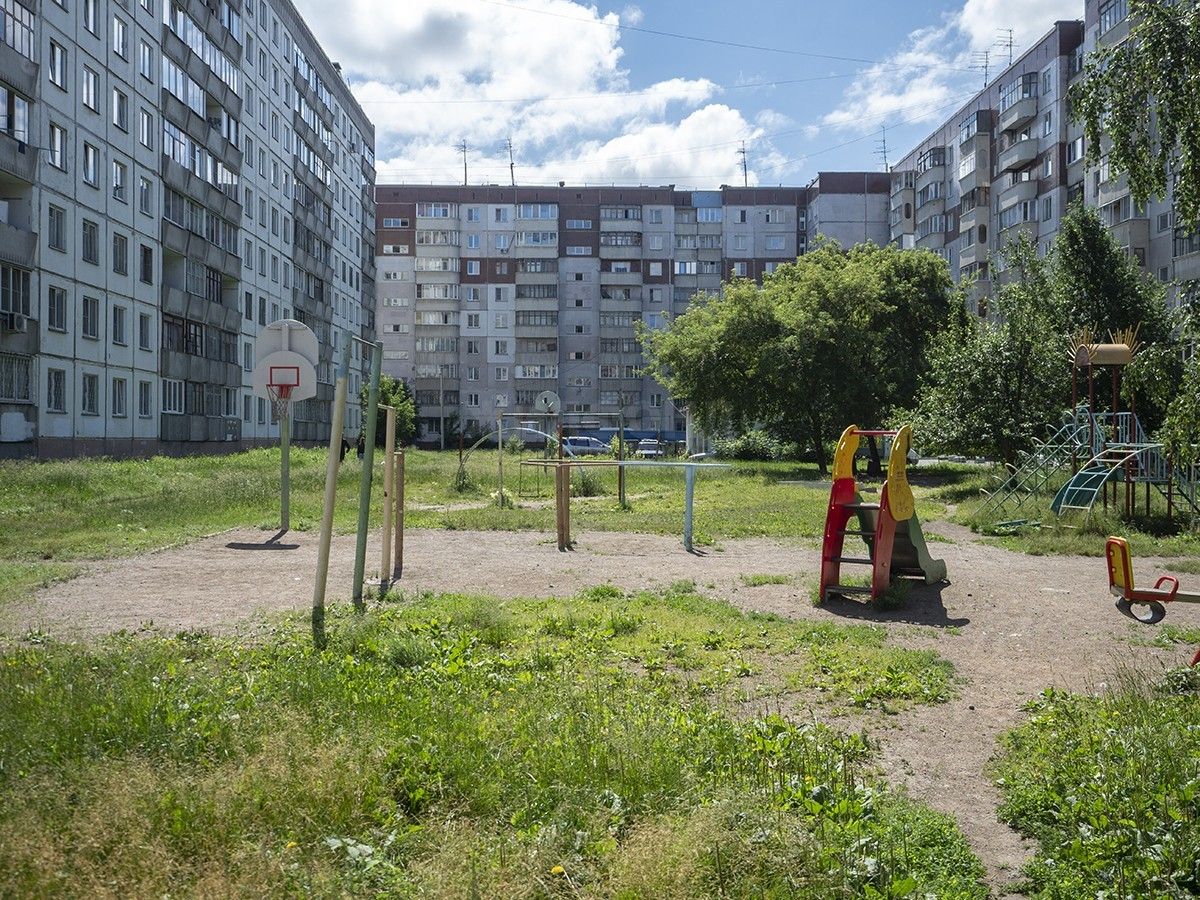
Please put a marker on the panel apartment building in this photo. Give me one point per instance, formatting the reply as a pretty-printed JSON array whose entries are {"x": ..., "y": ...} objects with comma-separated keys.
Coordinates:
[
  {"x": 490, "y": 295},
  {"x": 174, "y": 176},
  {"x": 1011, "y": 161}
]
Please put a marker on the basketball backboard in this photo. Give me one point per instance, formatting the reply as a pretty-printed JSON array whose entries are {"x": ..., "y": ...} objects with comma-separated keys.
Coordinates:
[
  {"x": 287, "y": 334},
  {"x": 286, "y": 355}
]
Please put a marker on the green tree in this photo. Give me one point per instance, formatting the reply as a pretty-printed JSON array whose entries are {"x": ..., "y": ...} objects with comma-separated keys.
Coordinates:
[
  {"x": 833, "y": 338},
  {"x": 1143, "y": 95},
  {"x": 993, "y": 385},
  {"x": 1100, "y": 286},
  {"x": 392, "y": 392}
]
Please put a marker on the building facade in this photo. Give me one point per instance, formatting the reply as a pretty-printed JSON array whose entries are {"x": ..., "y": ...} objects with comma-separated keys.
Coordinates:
[
  {"x": 490, "y": 295},
  {"x": 1011, "y": 161},
  {"x": 174, "y": 176}
]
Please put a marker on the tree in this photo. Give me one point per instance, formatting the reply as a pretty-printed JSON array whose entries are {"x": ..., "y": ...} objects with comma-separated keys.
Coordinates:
[
  {"x": 1100, "y": 286},
  {"x": 993, "y": 385},
  {"x": 1143, "y": 94},
  {"x": 392, "y": 392},
  {"x": 833, "y": 338}
]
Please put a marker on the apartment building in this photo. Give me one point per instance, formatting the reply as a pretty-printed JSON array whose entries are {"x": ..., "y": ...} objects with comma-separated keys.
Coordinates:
[
  {"x": 175, "y": 175},
  {"x": 490, "y": 295},
  {"x": 1011, "y": 161}
]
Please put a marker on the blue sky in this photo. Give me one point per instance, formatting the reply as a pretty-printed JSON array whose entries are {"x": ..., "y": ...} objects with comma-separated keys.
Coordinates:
[{"x": 590, "y": 93}]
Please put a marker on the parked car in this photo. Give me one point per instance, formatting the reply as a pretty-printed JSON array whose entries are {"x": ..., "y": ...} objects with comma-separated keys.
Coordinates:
[
  {"x": 578, "y": 445},
  {"x": 649, "y": 449}
]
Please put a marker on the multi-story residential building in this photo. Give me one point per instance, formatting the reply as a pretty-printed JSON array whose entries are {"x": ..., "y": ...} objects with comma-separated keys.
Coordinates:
[
  {"x": 1007, "y": 161},
  {"x": 1011, "y": 160},
  {"x": 175, "y": 175},
  {"x": 489, "y": 295}
]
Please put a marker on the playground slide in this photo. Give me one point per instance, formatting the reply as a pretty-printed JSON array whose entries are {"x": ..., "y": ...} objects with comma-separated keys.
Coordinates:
[{"x": 910, "y": 553}]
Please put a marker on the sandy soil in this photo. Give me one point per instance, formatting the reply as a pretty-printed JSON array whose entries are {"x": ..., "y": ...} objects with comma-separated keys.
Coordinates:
[{"x": 1012, "y": 625}]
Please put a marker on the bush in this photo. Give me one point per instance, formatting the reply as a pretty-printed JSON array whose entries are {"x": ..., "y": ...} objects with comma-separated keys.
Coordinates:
[
  {"x": 587, "y": 483},
  {"x": 514, "y": 444},
  {"x": 754, "y": 445}
]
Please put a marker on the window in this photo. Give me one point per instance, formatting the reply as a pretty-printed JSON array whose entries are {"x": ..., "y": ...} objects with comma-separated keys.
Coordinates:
[
  {"x": 1112, "y": 12},
  {"x": 145, "y": 195},
  {"x": 89, "y": 399},
  {"x": 120, "y": 254},
  {"x": 709, "y": 214},
  {"x": 56, "y": 309},
  {"x": 56, "y": 232},
  {"x": 777, "y": 216},
  {"x": 501, "y": 373},
  {"x": 56, "y": 390},
  {"x": 1075, "y": 150},
  {"x": 472, "y": 267},
  {"x": 91, "y": 242},
  {"x": 1047, "y": 166},
  {"x": 14, "y": 377},
  {"x": 775, "y": 241},
  {"x": 91, "y": 318},
  {"x": 146, "y": 129},
  {"x": 120, "y": 38},
  {"x": 172, "y": 396},
  {"x": 145, "y": 399},
  {"x": 57, "y": 70},
  {"x": 145, "y": 61},
  {"x": 472, "y": 214},
  {"x": 656, "y": 269},
  {"x": 57, "y": 155},
  {"x": 91, "y": 165},
  {"x": 739, "y": 270},
  {"x": 685, "y": 267},
  {"x": 501, "y": 213},
  {"x": 575, "y": 250},
  {"x": 1047, "y": 209},
  {"x": 143, "y": 331},
  {"x": 119, "y": 386},
  {"x": 16, "y": 27},
  {"x": 89, "y": 15},
  {"x": 91, "y": 90},
  {"x": 1047, "y": 124}
]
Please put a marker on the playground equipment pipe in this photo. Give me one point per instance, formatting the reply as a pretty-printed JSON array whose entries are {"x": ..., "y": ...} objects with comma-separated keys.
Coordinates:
[
  {"x": 368, "y": 470},
  {"x": 331, "y": 468}
]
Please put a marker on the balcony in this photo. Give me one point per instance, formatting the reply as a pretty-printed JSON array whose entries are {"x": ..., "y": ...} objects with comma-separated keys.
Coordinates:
[
  {"x": 1112, "y": 190},
  {"x": 972, "y": 216},
  {"x": 1015, "y": 193},
  {"x": 930, "y": 175},
  {"x": 1133, "y": 234},
  {"x": 973, "y": 254},
  {"x": 18, "y": 71},
  {"x": 18, "y": 159},
  {"x": 1019, "y": 113},
  {"x": 17, "y": 246},
  {"x": 1018, "y": 155},
  {"x": 978, "y": 175},
  {"x": 1187, "y": 267}
]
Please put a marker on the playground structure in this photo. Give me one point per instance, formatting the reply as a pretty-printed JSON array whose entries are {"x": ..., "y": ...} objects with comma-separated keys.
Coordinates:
[
  {"x": 1100, "y": 451},
  {"x": 890, "y": 528},
  {"x": 1121, "y": 586}
]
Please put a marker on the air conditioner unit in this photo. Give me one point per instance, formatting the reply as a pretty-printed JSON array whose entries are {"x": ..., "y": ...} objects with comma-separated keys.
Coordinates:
[{"x": 14, "y": 323}]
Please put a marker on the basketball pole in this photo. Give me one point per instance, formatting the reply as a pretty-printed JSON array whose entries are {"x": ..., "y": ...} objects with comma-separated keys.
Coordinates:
[
  {"x": 368, "y": 463},
  {"x": 331, "y": 469},
  {"x": 285, "y": 465}
]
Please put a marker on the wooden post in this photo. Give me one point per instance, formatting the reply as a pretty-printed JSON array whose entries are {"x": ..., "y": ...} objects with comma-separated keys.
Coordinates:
[
  {"x": 367, "y": 473},
  {"x": 398, "y": 556},
  {"x": 562, "y": 504},
  {"x": 500, "y": 459},
  {"x": 566, "y": 506},
  {"x": 690, "y": 490},
  {"x": 331, "y": 470},
  {"x": 621, "y": 458},
  {"x": 389, "y": 476}
]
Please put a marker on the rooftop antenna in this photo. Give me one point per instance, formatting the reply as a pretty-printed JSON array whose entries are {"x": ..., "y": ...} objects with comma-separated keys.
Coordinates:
[
  {"x": 881, "y": 147},
  {"x": 745, "y": 172},
  {"x": 512, "y": 166},
  {"x": 981, "y": 59},
  {"x": 1006, "y": 42},
  {"x": 462, "y": 148}
]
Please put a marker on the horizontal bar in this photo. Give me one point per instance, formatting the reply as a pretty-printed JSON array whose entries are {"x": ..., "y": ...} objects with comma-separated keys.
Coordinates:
[{"x": 876, "y": 432}]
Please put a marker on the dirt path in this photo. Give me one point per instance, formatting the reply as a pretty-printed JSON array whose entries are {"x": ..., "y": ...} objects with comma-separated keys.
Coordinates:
[{"x": 1012, "y": 625}]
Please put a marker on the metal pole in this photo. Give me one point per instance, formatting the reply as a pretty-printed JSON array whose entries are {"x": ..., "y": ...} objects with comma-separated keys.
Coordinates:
[
  {"x": 389, "y": 486},
  {"x": 500, "y": 459},
  {"x": 441, "y": 410},
  {"x": 689, "y": 474},
  {"x": 285, "y": 466},
  {"x": 398, "y": 555},
  {"x": 368, "y": 470},
  {"x": 331, "y": 468},
  {"x": 621, "y": 457}
]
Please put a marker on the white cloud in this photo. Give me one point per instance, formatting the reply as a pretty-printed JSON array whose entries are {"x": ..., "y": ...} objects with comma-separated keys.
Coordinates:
[
  {"x": 632, "y": 15},
  {"x": 546, "y": 73},
  {"x": 932, "y": 71}
]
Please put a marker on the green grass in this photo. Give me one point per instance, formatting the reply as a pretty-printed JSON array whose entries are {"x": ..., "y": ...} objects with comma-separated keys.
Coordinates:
[
  {"x": 54, "y": 514},
  {"x": 453, "y": 747},
  {"x": 1073, "y": 534},
  {"x": 1109, "y": 786},
  {"x": 760, "y": 580}
]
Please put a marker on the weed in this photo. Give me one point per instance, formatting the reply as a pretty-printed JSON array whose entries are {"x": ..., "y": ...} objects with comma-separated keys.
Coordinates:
[
  {"x": 895, "y": 597},
  {"x": 760, "y": 580},
  {"x": 587, "y": 483}
]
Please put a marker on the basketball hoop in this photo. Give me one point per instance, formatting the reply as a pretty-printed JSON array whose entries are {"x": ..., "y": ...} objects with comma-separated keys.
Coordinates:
[{"x": 280, "y": 382}]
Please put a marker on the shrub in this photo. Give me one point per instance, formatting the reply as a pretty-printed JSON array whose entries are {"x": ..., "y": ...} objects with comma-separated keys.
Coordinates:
[
  {"x": 754, "y": 445},
  {"x": 587, "y": 483}
]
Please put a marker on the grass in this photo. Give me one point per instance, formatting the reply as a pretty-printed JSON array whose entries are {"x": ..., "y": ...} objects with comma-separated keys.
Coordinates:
[
  {"x": 1074, "y": 534},
  {"x": 761, "y": 580},
  {"x": 1109, "y": 786},
  {"x": 454, "y": 746},
  {"x": 55, "y": 514}
]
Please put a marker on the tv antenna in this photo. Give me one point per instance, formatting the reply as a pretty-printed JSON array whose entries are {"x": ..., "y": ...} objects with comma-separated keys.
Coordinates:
[
  {"x": 981, "y": 59},
  {"x": 745, "y": 172},
  {"x": 881, "y": 147},
  {"x": 512, "y": 166},
  {"x": 1006, "y": 42},
  {"x": 462, "y": 148}
]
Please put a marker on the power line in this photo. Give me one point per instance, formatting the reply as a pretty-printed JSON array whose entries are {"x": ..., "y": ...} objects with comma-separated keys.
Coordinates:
[
  {"x": 604, "y": 95},
  {"x": 701, "y": 40}
]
